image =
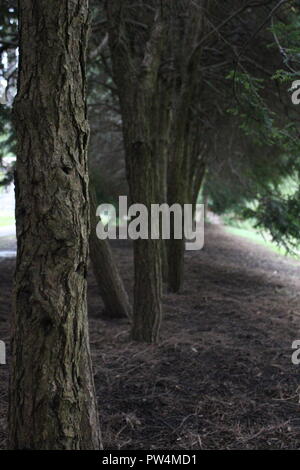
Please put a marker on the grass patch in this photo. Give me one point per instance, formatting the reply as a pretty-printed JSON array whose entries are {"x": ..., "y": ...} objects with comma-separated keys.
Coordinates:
[
  {"x": 259, "y": 238},
  {"x": 7, "y": 221}
]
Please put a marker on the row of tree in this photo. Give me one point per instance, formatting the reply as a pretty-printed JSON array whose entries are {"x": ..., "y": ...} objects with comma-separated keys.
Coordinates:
[{"x": 162, "y": 68}]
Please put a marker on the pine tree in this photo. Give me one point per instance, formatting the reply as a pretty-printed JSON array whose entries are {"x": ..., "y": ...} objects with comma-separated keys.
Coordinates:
[{"x": 52, "y": 396}]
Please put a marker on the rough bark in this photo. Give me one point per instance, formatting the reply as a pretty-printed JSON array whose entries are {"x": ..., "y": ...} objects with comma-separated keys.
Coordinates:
[
  {"x": 178, "y": 183},
  {"x": 161, "y": 143},
  {"x": 184, "y": 162},
  {"x": 52, "y": 396},
  {"x": 136, "y": 58},
  {"x": 106, "y": 273},
  {"x": 184, "y": 186}
]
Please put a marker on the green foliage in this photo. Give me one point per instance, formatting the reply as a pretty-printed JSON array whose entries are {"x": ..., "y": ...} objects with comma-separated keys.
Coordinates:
[
  {"x": 280, "y": 217},
  {"x": 269, "y": 121}
]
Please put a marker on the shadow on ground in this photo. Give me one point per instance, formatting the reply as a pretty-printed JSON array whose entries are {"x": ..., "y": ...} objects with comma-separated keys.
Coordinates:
[{"x": 221, "y": 377}]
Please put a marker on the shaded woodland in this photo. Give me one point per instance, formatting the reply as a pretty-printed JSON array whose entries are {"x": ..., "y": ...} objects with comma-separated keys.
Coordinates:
[{"x": 167, "y": 102}]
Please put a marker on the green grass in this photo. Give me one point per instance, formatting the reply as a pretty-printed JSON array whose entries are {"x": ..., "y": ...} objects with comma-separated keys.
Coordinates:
[
  {"x": 257, "y": 237},
  {"x": 6, "y": 221}
]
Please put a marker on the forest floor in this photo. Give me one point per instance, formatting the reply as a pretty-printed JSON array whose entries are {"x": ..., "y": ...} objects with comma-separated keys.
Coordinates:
[{"x": 221, "y": 376}]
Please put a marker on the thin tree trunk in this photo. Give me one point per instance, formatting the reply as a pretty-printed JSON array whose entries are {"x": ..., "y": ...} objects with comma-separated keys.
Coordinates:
[
  {"x": 178, "y": 182},
  {"x": 176, "y": 251},
  {"x": 185, "y": 190},
  {"x": 52, "y": 396},
  {"x": 105, "y": 270},
  {"x": 161, "y": 131}
]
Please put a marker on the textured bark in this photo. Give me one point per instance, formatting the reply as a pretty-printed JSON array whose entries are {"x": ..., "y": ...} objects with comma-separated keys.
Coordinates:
[
  {"x": 185, "y": 190},
  {"x": 185, "y": 166},
  {"x": 184, "y": 187},
  {"x": 136, "y": 58},
  {"x": 52, "y": 396},
  {"x": 109, "y": 281},
  {"x": 147, "y": 311},
  {"x": 178, "y": 182},
  {"x": 176, "y": 251},
  {"x": 161, "y": 142}
]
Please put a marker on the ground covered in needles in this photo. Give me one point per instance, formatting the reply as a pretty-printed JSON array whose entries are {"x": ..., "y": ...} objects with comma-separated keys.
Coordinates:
[{"x": 221, "y": 376}]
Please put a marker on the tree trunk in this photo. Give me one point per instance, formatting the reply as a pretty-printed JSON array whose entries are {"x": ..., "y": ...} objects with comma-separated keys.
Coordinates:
[
  {"x": 136, "y": 60},
  {"x": 109, "y": 281},
  {"x": 184, "y": 187},
  {"x": 176, "y": 251},
  {"x": 52, "y": 396},
  {"x": 186, "y": 122},
  {"x": 147, "y": 313},
  {"x": 178, "y": 183}
]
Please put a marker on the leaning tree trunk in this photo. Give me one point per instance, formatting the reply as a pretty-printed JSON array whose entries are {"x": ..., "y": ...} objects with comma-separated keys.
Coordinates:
[
  {"x": 52, "y": 396},
  {"x": 106, "y": 273}
]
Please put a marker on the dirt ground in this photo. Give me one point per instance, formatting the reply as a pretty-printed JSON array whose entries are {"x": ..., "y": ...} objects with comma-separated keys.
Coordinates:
[{"x": 221, "y": 376}]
